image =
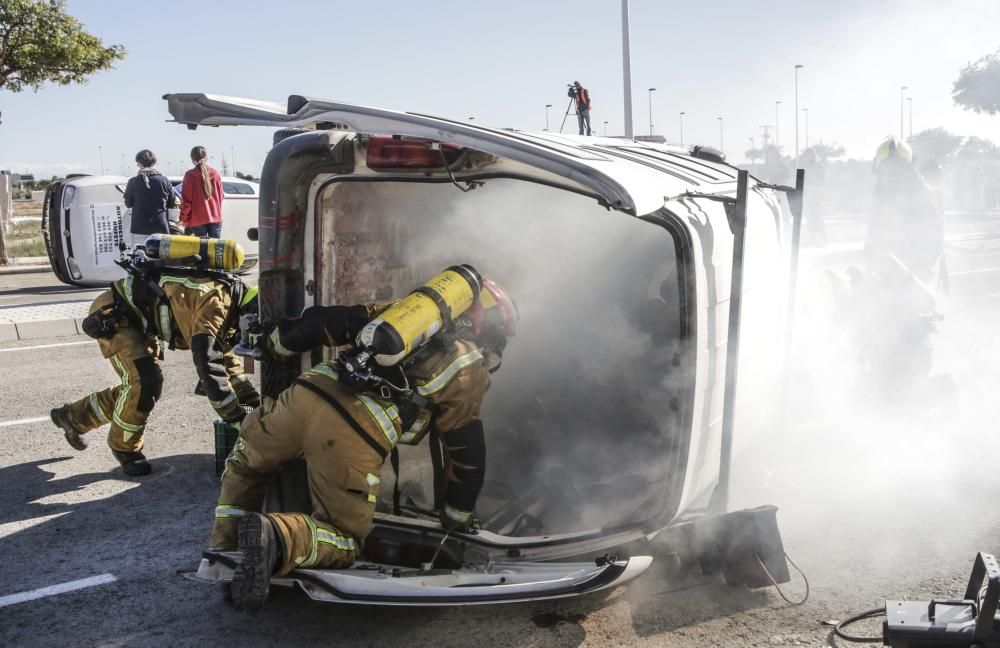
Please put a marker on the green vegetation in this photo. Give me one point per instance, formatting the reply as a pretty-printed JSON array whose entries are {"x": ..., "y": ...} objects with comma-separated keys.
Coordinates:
[{"x": 25, "y": 240}]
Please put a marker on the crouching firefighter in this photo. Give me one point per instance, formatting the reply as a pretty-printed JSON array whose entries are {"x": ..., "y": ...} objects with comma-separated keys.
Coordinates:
[
  {"x": 423, "y": 361},
  {"x": 196, "y": 308}
]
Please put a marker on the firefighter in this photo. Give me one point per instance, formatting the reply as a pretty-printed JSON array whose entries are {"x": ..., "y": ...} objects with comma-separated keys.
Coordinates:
[
  {"x": 906, "y": 217},
  {"x": 186, "y": 312},
  {"x": 344, "y": 435}
]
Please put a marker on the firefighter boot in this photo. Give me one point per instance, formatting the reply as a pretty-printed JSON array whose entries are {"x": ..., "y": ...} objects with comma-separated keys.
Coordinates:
[
  {"x": 134, "y": 464},
  {"x": 60, "y": 416},
  {"x": 261, "y": 548}
]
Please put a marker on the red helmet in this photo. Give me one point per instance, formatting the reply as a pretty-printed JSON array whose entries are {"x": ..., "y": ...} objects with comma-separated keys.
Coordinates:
[{"x": 493, "y": 316}]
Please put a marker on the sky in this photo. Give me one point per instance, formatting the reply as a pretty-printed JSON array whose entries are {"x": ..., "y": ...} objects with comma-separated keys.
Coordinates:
[{"x": 501, "y": 63}]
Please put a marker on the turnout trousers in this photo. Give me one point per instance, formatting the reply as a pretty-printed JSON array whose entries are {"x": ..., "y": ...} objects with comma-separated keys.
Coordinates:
[
  {"x": 343, "y": 474},
  {"x": 125, "y": 406}
]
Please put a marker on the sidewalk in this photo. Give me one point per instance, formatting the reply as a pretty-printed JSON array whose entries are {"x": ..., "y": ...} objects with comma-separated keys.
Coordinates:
[{"x": 53, "y": 319}]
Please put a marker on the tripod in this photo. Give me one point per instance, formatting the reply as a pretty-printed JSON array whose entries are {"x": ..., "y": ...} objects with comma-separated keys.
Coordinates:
[{"x": 568, "y": 106}]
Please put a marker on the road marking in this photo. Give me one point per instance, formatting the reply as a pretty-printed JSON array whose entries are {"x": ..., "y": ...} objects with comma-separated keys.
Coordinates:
[
  {"x": 53, "y": 590},
  {"x": 37, "y": 419},
  {"x": 45, "y": 346}
]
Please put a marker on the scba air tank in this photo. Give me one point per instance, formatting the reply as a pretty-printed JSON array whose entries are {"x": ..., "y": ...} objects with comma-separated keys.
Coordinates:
[
  {"x": 220, "y": 254},
  {"x": 406, "y": 325}
]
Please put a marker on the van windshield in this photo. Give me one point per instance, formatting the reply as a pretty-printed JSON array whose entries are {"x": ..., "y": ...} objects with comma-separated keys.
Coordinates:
[{"x": 584, "y": 420}]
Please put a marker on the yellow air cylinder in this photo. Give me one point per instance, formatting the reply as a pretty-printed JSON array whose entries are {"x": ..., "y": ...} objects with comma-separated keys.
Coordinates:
[
  {"x": 407, "y": 324},
  {"x": 220, "y": 254}
]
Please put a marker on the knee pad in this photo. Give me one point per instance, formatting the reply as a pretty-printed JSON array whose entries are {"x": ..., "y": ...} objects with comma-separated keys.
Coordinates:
[
  {"x": 466, "y": 449},
  {"x": 150, "y": 382}
]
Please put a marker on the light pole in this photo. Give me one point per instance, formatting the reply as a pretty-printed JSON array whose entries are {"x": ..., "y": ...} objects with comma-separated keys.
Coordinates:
[
  {"x": 232, "y": 158},
  {"x": 100, "y": 154},
  {"x": 547, "y": 106},
  {"x": 605, "y": 129},
  {"x": 626, "y": 71},
  {"x": 651, "y": 91},
  {"x": 777, "y": 139},
  {"x": 902, "y": 89},
  {"x": 722, "y": 141},
  {"x": 123, "y": 164},
  {"x": 797, "y": 68},
  {"x": 806, "y": 111},
  {"x": 682, "y": 128},
  {"x": 909, "y": 100}
]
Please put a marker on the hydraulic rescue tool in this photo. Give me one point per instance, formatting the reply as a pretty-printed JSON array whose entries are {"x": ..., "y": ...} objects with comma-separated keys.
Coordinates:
[{"x": 969, "y": 622}]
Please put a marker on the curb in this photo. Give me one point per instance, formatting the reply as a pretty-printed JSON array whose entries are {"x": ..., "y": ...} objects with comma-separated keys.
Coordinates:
[
  {"x": 17, "y": 331},
  {"x": 25, "y": 269}
]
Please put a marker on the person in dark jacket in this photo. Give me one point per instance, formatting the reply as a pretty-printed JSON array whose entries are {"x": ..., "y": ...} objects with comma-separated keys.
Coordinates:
[{"x": 149, "y": 195}]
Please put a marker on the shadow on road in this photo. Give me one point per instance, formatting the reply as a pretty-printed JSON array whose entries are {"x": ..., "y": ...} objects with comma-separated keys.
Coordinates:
[{"x": 86, "y": 525}]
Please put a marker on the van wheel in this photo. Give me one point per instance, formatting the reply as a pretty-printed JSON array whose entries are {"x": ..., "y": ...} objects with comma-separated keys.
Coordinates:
[{"x": 285, "y": 133}]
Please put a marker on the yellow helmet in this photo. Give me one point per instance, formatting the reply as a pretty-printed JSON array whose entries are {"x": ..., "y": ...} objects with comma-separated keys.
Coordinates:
[{"x": 893, "y": 148}]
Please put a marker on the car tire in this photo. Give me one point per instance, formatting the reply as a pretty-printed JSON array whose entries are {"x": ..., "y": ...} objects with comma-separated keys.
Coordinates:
[{"x": 285, "y": 133}]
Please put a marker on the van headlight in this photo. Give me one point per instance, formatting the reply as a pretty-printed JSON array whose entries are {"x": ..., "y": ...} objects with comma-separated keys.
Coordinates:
[
  {"x": 68, "y": 193},
  {"x": 74, "y": 269}
]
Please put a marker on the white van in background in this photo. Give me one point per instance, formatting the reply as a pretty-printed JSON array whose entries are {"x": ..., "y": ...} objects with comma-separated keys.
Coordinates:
[{"x": 84, "y": 218}]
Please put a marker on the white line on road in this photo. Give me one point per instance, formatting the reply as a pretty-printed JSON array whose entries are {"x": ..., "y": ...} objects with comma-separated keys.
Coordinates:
[
  {"x": 37, "y": 419},
  {"x": 52, "y": 590},
  {"x": 45, "y": 346}
]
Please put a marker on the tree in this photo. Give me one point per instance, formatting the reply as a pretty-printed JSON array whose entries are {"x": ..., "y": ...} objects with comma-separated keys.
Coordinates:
[
  {"x": 978, "y": 148},
  {"x": 934, "y": 144},
  {"x": 39, "y": 43},
  {"x": 754, "y": 154},
  {"x": 978, "y": 85},
  {"x": 826, "y": 152}
]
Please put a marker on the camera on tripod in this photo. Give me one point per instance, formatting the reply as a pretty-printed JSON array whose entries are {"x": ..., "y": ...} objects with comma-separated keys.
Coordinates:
[{"x": 571, "y": 90}]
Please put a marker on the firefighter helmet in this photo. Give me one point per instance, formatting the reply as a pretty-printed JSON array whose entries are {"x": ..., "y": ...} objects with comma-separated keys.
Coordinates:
[
  {"x": 493, "y": 317},
  {"x": 893, "y": 148}
]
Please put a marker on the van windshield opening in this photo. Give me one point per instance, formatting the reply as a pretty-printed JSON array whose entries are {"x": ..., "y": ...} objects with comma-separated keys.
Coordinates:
[{"x": 585, "y": 419}]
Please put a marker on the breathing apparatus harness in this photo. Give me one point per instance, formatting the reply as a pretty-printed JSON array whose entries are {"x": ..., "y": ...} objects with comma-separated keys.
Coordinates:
[{"x": 147, "y": 294}]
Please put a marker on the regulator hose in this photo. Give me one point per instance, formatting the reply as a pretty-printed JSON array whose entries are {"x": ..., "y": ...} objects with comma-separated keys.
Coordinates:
[{"x": 867, "y": 614}]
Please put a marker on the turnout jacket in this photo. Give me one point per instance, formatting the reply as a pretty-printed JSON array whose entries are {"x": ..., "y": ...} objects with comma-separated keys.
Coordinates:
[
  {"x": 449, "y": 381},
  {"x": 197, "y": 314}
]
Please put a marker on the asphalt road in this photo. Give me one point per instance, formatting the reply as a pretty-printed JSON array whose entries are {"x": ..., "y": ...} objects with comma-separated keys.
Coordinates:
[{"x": 875, "y": 502}]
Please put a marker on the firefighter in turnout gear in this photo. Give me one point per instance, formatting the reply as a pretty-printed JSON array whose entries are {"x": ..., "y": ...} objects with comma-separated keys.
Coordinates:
[
  {"x": 344, "y": 433},
  {"x": 184, "y": 310}
]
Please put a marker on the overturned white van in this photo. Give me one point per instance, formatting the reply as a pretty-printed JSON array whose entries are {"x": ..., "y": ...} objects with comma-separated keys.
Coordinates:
[
  {"x": 636, "y": 267},
  {"x": 85, "y": 221}
]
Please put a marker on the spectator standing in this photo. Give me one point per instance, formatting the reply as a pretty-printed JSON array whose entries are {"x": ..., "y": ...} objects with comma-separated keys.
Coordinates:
[
  {"x": 582, "y": 99},
  {"x": 149, "y": 195},
  {"x": 201, "y": 197}
]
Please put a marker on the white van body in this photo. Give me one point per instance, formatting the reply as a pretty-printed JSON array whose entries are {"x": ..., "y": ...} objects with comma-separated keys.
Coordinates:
[
  {"x": 86, "y": 221},
  {"x": 356, "y": 226}
]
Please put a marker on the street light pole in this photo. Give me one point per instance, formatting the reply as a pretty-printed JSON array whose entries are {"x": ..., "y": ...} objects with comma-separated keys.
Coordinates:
[
  {"x": 651, "y": 91},
  {"x": 806, "y": 111},
  {"x": 902, "y": 89},
  {"x": 605, "y": 129},
  {"x": 777, "y": 139},
  {"x": 722, "y": 141},
  {"x": 909, "y": 100},
  {"x": 100, "y": 153},
  {"x": 232, "y": 158},
  {"x": 547, "y": 106},
  {"x": 626, "y": 71},
  {"x": 682, "y": 128},
  {"x": 797, "y": 68}
]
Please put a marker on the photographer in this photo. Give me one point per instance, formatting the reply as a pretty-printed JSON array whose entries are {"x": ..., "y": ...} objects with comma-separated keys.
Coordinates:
[{"x": 582, "y": 98}]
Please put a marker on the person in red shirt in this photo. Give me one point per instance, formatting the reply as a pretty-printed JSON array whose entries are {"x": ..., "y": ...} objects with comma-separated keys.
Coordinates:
[{"x": 201, "y": 197}]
